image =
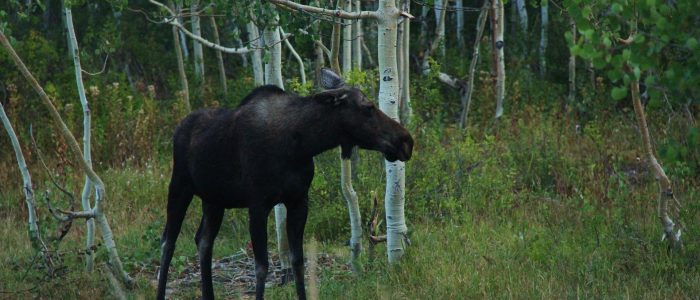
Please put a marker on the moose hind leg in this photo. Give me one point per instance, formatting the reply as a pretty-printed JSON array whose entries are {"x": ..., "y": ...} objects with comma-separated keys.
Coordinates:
[
  {"x": 296, "y": 221},
  {"x": 207, "y": 232},
  {"x": 179, "y": 198},
  {"x": 258, "y": 234}
]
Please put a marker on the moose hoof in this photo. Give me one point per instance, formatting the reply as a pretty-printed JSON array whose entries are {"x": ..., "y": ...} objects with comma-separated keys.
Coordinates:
[{"x": 287, "y": 276}]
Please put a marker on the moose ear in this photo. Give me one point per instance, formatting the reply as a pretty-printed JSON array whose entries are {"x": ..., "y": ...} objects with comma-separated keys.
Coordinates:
[
  {"x": 332, "y": 97},
  {"x": 330, "y": 80}
]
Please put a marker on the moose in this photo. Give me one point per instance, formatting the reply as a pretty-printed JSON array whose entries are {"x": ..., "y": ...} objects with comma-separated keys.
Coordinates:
[{"x": 261, "y": 154}]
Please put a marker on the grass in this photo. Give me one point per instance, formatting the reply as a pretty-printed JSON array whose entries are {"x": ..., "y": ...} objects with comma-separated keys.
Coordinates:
[{"x": 533, "y": 209}]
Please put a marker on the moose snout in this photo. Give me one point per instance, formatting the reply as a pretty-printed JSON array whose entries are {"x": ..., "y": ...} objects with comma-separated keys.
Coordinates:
[{"x": 405, "y": 148}]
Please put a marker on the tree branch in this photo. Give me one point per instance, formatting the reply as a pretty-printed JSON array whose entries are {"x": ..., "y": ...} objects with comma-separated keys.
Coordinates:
[
  {"x": 172, "y": 20},
  {"x": 323, "y": 11}
]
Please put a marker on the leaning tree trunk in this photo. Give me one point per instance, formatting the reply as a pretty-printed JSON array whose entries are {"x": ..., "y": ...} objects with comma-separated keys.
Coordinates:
[
  {"x": 219, "y": 57},
  {"x": 497, "y": 48},
  {"x": 544, "y": 11},
  {"x": 439, "y": 9},
  {"x": 181, "y": 67},
  {"x": 300, "y": 61},
  {"x": 273, "y": 75},
  {"x": 197, "y": 46},
  {"x": 87, "y": 186},
  {"x": 254, "y": 38},
  {"x": 34, "y": 233},
  {"x": 96, "y": 212},
  {"x": 664, "y": 183},
  {"x": 467, "y": 99}
]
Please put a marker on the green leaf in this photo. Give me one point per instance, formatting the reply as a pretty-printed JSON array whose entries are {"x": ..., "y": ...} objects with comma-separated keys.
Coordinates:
[
  {"x": 637, "y": 72},
  {"x": 616, "y": 8},
  {"x": 626, "y": 54},
  {"x": 691, "y": 43},
  {"x": 619, "y": 93}
]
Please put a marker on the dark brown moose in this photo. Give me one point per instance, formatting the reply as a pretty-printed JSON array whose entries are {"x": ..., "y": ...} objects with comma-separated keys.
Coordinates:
[{"x": 259, "y": 155}]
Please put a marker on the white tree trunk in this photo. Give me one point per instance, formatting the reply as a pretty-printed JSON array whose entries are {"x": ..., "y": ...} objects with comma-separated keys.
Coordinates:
[
  {"x": 34, "y": 233},
  {"x": 181, "y": 70},
  {"x": 183, "y": 39},
  {"x": 347, "y": 40},
  {"x": 255, "y": 42},
  {"x": 357, "y": 41},
  {"x": 522, "y": 14},
  {"x": 498, "y": 45},
  {"x": 459, "y": 12},
  {"x": 300, "y": 61},
  {"x": 197, "y": 46},
  {"x": 388, "y": 102},
  {"x": 273, "y": 75},
  {"x": 440, "y": 8},
  {"x": 406, "y": 111},
  {"x": 572, "y": 66},
  {"x": 87, "y": 186},
  {"x": 97, "y": 212},
  {"x": 219, "y": 57},
  {"x": 544, "y": 11}
]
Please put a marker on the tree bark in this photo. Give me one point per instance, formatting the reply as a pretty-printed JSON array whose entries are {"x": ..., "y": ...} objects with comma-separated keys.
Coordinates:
[
  {"x": 100, "y": 195},
  {"x": 219, "y": 57},
  {"x": 459, "y": 13},
  {"x": 522, "y": 15},
  {"x": 466, "y": 101},
  {"x": 347, "y": 40},
  {"x": 87, "y": 186}
]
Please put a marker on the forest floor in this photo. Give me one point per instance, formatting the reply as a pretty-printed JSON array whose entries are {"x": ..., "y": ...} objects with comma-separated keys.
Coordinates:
[{"x": 532, "y": 209}]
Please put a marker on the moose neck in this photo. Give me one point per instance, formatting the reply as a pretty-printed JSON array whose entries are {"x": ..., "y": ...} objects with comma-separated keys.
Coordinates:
[{"x": 317, "y": 128}]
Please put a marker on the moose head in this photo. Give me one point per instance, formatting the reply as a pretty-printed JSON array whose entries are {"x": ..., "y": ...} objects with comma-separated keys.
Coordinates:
[{"x": 363, "y": 124}]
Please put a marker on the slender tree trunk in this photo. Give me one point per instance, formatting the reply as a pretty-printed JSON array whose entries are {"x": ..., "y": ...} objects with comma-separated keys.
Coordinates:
[
  {"x": 544, "y": 11},
  {"x": 107, "y": 237},
  {"x": 183, "y": 38},
  {"x": 318, "y": 51},
  {"x": 437, "y": 41},
  {"x": 255, "y": 42},
  {"x": 459, "y": 12},
  {"x": 664, "y": 183},
  {"x": 405, "y": 105},
  {"x": 87, "y": 186},
  {"x": 522, "y": 15},
  {"x": 347, "y": 40},
  {"x": 388, "y": 96},
  {"x": 181, "y": 70},
  {"x": 357, "y": 41},
  {"x": 197, "y": 46},
  {"x": 219, "y": 57},
  {"x": 273, "y": 75},
  {"x": 34, "y": 233},
  {"x": 498, "y": 45},
  {"x": 466, "y": 101},
  {"x": 440, "y": 9},
  {"x": 302, "y": 72},
  {"x": 572, "y": 67}
]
